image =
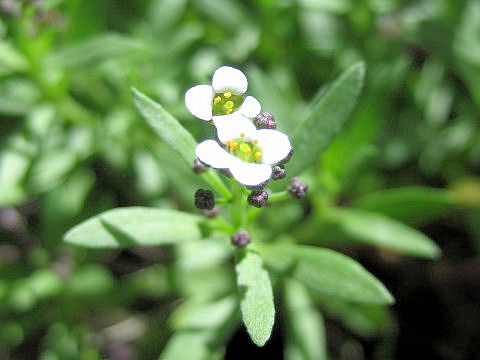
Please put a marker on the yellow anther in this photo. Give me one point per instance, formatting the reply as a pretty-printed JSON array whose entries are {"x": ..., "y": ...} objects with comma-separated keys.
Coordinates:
[
  {"x": 227, "y": 95},
  {"x": 245, "y": 148},
  {"x": 242, "y": 135},
  {"x": 217, "y": 99},
  {"x": 229, "y": 111},
  {"x": 249, "y": 152},
  {"x": 228, "y": 143},
  {"x": 255, "y": 142},
  {"x": 233, "y": 145},
  {"x": 229, "y": 104},
  {"x": 258, "y": 155}
]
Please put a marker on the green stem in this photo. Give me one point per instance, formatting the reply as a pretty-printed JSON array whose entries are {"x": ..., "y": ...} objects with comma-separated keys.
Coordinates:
[
  {"x": 279, "y": 196},
  {"x": 220, "y": 224},
  {"x": 239, "y": 205},
  {"x": 216, "y": 182},
  {"x": 223, "y": 201}
]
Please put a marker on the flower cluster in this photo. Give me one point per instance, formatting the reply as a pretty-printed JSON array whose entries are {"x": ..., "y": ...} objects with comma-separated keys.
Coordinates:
[{"x": 251, "y": 155}]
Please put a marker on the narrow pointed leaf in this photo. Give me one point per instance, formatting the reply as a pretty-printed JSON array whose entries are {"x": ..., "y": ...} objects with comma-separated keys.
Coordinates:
[
  {"x": 327, "y": 272},
  {"x": 414, "y": 204},
  {"x": 256, "y": 304},
  {"x": 327, "y": 118},
  {"x": 166, "y": 126},
  {"x": 175, "y": 135},
  {"x": 305, "y": 326},
  {"x": 135, "y": 226},
  {"x": 378, "y": 230}
]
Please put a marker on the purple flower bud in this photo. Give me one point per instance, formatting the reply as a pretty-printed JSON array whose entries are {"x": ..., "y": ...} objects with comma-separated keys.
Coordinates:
[
  {"x": 204, "y": 199},
  {"x": 258, "y": 198},
  {"x": 297, "y": 188},
  {"x": 211, "y": 213},
  {"x": 198, "y": 167},
  {"x": 241, "y": 238},
  {"x": 278, "y": 172},
  {"x": 265, "y": 121}
]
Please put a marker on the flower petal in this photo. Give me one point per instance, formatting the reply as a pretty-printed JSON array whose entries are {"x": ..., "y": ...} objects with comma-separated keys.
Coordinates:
[
  {"x": 251, "y": 175},
  {"x": 250, "y": 107},
  {"x": 275, "y": 146},
  {"x": 198, "y": 100},
  {"x": 231, "y": 126},
  {"x": 211, "y": 154},
  {"x": 227, "y": 78}
]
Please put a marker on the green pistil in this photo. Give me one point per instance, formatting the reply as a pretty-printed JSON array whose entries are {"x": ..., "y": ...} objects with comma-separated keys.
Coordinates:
[
  {"x": 244, "y": 150},
  {"x": 226, "y": 103}
]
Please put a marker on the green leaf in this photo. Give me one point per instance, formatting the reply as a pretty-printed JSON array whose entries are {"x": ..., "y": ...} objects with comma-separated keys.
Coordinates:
[
  {"x": 96, "y": 50},
  {"x": 166, "y": 126},
  {"x": 378, "y": 230},
  {"x": 366, "y": 320},
  {"x": 327, "y": 272},
  {"x": 327, "y": 117},
  {"x": 175, "y": 135},
  {"x": 187, "y": 345},
  {"x": 135, "y": 226},
  {"x": 414, "y": 204},
  {"x": 306, "y": 330},
  {"x": 258, "y": 311}
]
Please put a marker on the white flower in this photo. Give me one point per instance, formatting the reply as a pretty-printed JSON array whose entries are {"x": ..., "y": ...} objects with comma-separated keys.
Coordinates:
[
  {"x": 223, "y": 97},
  {"x": 248, "y": 154}
]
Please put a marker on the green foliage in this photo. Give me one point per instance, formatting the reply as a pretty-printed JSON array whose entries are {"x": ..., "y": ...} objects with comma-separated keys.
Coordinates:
[
  {"x": 327, "y": 272},
  {"x": 326, "y": 117},
  {"x": 135, "y": 226},
  {"x": 375, "y": 229},
  {"x": 256, "y": 297},
  {"x": 139, "y": 273}
]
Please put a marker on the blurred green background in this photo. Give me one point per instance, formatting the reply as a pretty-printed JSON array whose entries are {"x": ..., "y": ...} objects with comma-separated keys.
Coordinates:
[{"x": 73, "y": 145}]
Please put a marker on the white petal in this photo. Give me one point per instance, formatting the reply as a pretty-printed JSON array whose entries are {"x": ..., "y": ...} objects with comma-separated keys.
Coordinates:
[
  {"x": 227, "y": 78},
  {"x": 198, "y": 100},
  {"x": 250, "y": 107},
  {"x": 230, "y": 127},
  {"x": 275, "y": 145},
  {"x": 212, "y": 154},
  {"x": 251, "y": 174}
]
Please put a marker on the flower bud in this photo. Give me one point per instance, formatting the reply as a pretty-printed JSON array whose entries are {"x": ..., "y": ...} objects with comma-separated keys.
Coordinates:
[
  {"x": 211, "y": 213},
  {"x": 241, "y": 238},
  {"x": 278, "y": 172},
  {"x": 204, "y": 199},
  {"x": 258, "y": 198},
  {"x": 265, "y": 121},
  {"x": 297, "y": 188},
  {"x": 198, "y": 167}
]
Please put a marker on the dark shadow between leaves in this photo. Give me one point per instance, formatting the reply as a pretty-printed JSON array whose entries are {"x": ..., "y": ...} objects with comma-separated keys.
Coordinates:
[{"x": 123, "y": 239}]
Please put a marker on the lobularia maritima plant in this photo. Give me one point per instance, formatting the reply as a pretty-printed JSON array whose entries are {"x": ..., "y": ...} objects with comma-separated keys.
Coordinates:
[{"x": 233, "y": 170}]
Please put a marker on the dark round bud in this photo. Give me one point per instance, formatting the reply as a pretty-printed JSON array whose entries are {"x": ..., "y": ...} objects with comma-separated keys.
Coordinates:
[
  {"x": 198, "y": 167},
  {"x": 258, "y": 198},
  {"x": 278, "y": 172},
  {"x": 211, "y": 213},
  {"x": 240, "y": 238},
  {"x": 297, "y": 188},
  {"x": 265, "y": 121},
  {"x": 204, "y": 199}
]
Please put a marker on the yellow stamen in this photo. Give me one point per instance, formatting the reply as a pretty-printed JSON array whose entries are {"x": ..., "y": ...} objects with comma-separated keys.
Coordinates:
[
  {"x": 227, "y": 95},
  {"x": 258, "y": 155},
  {"x": 249, "y": 152},
  {"x": 242, "y": 135},
  {"x": 234, "y": 145},
  {"x": 229, "y": 104},
  {"x": 255, "y": 142},
  {"x": 217, "y": 99},
  {"x": 228, "y": 143},
  {"x": 229, "y": 111}
]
